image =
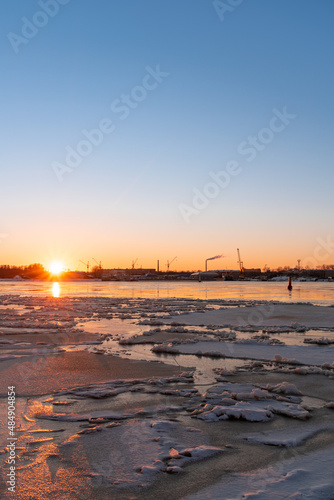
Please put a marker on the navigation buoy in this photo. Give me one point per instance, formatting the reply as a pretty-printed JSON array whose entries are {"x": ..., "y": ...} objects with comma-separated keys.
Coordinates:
[{"x": 290, "y": 285}]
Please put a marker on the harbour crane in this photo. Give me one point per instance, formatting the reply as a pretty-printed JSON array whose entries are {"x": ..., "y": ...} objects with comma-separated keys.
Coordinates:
[
  {"x": 134, "y": 263},
  {"x": 85, "y": 264},
  {"x": 98, "y": 263},
  {"x": 241, "y": 264},
  {"x": 169, "y": 263}
]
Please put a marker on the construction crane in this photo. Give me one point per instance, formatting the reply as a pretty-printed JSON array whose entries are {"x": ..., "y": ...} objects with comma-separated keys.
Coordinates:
[
  {"x": 241, "y": 264},
  {"x": 85, "y": 264},
  {"x": 134, "y": 263},
  {"x": 169, "y": 263},
  {"x": 98, "y": 263}
]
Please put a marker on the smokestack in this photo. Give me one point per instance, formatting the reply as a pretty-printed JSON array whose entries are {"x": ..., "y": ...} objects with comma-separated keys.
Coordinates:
[
  {"x": 212, "y": 258},
  {"x": 157, "y": 266}
]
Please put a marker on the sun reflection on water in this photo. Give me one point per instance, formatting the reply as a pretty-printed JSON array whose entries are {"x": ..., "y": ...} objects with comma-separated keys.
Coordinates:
[{"x": 55, "y": 289}]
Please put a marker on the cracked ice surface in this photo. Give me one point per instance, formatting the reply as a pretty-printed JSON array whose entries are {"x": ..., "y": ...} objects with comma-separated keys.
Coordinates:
[{"x": 130, "y": 432}]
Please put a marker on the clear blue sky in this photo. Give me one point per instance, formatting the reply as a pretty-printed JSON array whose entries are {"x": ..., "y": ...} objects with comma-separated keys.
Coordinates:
[{"x": 127, "y": 198}]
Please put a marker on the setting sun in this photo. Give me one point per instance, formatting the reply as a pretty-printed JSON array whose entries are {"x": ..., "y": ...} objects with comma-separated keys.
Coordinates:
[{"x": 56, "y": 267}]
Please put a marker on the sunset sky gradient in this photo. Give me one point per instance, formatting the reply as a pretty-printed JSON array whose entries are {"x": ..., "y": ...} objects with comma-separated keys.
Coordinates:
[{"x": 222, "y": 80}]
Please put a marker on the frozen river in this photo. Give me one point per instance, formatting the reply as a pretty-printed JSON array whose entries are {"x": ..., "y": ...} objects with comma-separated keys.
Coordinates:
[{"x": 319, "y": 293}]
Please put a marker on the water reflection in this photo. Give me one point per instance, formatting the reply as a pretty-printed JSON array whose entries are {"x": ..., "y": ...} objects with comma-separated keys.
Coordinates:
[
  {"x": 55, "y": 289},
  {"x": 321, "y": 293}
]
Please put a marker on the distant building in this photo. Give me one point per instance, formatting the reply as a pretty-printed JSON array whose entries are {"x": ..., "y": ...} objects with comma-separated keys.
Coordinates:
[
  {"x": 119, "y": 273},
  {"x": 206, "y": 275},
  {"x": 252, "y": 273}
]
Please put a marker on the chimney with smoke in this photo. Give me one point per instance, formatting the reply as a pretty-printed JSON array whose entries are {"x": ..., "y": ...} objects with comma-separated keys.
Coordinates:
[{"x": 212, "y": 258}]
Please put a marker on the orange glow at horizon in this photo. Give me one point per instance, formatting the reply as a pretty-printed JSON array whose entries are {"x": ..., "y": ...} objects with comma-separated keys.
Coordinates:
[
  {"x": 256, "y": 252},
  {"x": 56, "y": 267}
]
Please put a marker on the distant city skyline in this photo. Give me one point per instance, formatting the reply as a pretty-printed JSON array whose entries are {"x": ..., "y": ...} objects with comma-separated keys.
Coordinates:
[{"x": 149, "y": 130}]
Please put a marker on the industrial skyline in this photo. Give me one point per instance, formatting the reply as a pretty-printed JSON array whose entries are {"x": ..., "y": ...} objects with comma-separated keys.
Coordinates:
[{"x": 151, "y": 130}]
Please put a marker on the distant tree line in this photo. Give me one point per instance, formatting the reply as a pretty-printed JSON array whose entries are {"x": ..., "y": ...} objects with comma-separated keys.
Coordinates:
[
  {"x": 28, "y": 272},
  {"x": 288, "y": 268}
]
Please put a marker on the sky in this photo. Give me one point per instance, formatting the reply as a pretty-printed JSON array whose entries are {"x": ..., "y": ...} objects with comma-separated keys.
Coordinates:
[{"x": 173, "y": 128}]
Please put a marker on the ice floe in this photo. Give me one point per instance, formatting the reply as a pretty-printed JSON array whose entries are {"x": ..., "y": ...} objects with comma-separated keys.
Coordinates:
[{"x": 306, "y": 476}]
